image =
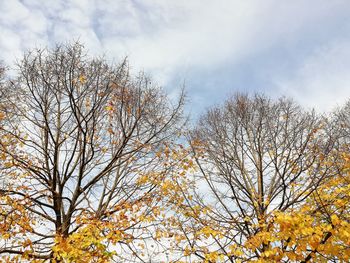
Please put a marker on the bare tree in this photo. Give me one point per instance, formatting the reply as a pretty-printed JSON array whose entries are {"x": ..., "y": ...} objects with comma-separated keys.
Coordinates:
[
  {"x": 5, "y": 118},
  {"x": 339, "y": 126},
  {"x": 255, "y": 156},
  {"x": 88, "y": 131}
]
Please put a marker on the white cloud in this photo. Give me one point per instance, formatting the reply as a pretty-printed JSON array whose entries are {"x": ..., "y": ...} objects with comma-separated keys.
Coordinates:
[
  {"x": 167, "y": 38},
  {"x": 172, "y": 37},
  {"x": 322, "y": 80}
]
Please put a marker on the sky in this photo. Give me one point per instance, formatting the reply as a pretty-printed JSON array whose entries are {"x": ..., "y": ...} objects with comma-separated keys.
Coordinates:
[{"x": 298, "y": 49}]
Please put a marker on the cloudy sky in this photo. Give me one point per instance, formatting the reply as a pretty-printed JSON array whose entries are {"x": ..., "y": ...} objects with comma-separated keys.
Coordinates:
[{"x": 299, "y": 49}]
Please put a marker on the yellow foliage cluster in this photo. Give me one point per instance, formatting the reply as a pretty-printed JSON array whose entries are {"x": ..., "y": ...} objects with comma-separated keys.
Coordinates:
[{"x": 317, "y": 230}]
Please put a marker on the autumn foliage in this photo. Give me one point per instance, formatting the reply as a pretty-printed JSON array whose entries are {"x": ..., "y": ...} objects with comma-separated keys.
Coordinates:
[{"x": 98, "y": 165}]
